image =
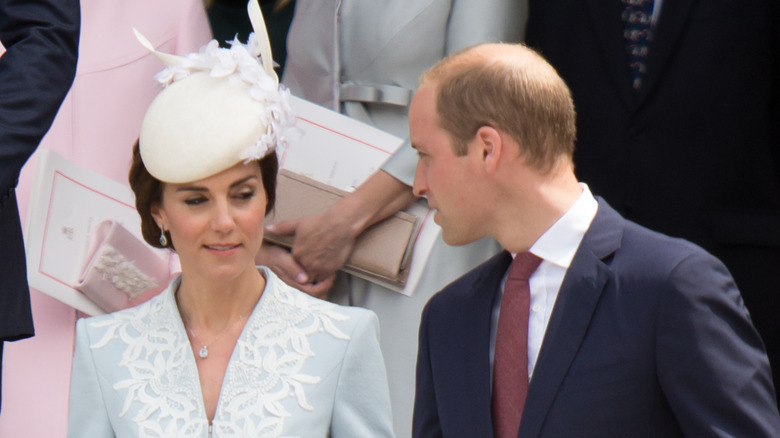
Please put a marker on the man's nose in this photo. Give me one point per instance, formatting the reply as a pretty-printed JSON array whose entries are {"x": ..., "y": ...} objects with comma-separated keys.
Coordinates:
[{"x": 419, "y": 187}]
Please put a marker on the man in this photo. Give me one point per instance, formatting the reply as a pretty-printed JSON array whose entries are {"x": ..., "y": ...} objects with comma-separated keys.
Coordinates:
[
  {"x": 36, "y": 71},
  {"x": 629, "y": 333},
  {"x": 693, "y": 149}
]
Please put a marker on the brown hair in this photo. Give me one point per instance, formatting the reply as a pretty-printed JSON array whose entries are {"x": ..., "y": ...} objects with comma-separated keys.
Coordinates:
[
  {"x": 511, "y": 88},
  {"x": 148, "y": 192}
]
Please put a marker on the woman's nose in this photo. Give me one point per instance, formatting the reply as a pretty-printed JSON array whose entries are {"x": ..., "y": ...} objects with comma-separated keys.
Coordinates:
[{"x": 222, "y": 220}]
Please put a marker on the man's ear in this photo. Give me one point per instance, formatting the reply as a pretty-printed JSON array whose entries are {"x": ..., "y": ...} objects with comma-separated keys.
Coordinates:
[{"x": 491, "y": 147}]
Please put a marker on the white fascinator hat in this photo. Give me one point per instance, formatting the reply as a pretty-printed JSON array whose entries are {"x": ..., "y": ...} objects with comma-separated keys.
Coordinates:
[{"x": 219, "y": 107}]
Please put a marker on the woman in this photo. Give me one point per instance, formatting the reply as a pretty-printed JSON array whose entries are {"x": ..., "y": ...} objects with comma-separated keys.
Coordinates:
[{"x": 228, "y": 349}]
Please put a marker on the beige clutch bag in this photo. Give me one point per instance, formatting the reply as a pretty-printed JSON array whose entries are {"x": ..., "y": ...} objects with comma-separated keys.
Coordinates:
[{"x": 383, "y": 252}]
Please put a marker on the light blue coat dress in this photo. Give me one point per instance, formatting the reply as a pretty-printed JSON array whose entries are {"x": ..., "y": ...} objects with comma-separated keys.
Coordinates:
[{"x": 302, "y": 367}]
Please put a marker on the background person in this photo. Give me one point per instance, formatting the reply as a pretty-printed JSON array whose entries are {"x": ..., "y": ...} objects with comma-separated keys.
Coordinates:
[
  {"x": 36, "y": 70},
  {"x": 344, "y": 55}
]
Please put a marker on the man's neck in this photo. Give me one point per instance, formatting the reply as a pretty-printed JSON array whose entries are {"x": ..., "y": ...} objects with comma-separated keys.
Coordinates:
[{"x": 530, "y": 216}]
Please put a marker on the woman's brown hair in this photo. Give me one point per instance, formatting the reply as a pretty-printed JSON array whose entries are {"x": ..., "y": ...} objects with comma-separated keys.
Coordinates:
[{"x": 148, "y": 192}]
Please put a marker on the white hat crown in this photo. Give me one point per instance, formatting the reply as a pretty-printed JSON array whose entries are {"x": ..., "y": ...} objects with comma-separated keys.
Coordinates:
[{"x": 220, "y": 106}]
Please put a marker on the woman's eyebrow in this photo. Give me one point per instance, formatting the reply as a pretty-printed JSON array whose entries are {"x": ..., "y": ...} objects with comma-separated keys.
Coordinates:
[
  {"x": 244, "y": 180},
  {"x": 196, "y": 188}
]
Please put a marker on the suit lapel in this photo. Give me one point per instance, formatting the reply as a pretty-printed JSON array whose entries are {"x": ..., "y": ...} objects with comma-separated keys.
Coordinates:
[
  {"x": 604, "y": 17},
  {"x": 577, "y": 300},
  {"x": 666, "y": 36}
]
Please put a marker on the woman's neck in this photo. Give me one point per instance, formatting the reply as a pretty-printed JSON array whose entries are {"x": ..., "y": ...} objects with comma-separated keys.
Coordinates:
[{"x": 216, "y": 303}]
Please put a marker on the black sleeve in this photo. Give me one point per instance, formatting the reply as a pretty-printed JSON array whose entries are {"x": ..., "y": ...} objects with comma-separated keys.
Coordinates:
[{"x": 36, "y": 71}]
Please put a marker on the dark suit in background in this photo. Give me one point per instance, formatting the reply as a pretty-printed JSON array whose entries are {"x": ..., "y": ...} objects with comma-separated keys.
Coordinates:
[
  {"x": 229, "y": 19},
  {"x": 36, "y": 71},
  {"x": 631, "y": 349},
  {"x": 696, "y": 152}
]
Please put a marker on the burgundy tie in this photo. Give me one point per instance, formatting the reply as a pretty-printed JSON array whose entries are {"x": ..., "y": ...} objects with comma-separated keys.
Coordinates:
[{"x": 510, "y": 363}]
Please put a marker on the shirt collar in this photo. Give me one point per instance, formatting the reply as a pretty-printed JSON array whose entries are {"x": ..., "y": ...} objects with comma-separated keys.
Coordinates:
[{"x": 560, "y": 242}]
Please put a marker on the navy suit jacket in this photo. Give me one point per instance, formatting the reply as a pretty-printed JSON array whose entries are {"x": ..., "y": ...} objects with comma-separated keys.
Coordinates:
[
  {"x": 36, "y": 71},
  {"x": 648, "y": 338}
]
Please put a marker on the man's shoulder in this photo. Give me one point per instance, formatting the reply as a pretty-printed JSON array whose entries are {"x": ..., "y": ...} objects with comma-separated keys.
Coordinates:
[
  {"x": 657, "y": 248},
  {"x": 613, "y": 236},
  {"x": 643, "y": 259},
  {"x": 474, "y": 284}
]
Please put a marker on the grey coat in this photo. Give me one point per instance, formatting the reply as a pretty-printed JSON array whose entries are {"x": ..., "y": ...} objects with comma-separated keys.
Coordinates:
[{"x": 363, "y": 58}]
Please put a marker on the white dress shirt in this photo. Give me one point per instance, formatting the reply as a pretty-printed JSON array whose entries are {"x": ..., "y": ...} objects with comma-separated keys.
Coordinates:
[{"x": 556, "y": 247}]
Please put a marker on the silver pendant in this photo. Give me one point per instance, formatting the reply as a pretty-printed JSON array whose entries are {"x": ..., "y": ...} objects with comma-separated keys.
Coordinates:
[{"x": 204, "y": 352}]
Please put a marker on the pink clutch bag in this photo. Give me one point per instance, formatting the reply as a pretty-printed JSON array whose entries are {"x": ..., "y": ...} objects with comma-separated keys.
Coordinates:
[{"x": 120, "y": 270}]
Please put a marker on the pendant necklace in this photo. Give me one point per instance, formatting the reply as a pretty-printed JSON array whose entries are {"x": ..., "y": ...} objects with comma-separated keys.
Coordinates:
[{"x": 204, "y": 350}]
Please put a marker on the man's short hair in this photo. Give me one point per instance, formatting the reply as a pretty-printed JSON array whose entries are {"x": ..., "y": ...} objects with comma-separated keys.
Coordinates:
[{"x": 510, "y": 88}]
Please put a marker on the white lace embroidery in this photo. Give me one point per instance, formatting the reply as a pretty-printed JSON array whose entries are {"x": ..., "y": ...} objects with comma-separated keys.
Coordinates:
[
  {"x": 271, "y": 358},
  {"x": 266, "y": 371},
  {"x": 123, "y": 273}
]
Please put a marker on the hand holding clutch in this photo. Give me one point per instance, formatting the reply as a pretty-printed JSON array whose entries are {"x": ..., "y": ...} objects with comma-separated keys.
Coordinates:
[{"x": 382, "y": 252}]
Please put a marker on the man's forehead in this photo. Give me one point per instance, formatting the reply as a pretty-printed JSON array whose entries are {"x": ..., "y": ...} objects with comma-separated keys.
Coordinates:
[
  {"x": 427, "y": 90},
  {"x": 423, "y": 105}
]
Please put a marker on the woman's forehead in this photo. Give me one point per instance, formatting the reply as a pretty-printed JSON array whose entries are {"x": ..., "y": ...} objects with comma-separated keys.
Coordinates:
[{"x": 234, "y": 176}]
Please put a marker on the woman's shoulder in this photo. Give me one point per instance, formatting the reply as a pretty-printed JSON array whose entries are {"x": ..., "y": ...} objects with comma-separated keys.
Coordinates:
[
  {"x": 343, "y": 315},
  {"x": 130, "y": 316}
]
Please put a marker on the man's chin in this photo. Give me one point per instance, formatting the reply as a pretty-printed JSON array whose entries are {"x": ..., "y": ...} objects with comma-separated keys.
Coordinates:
[
  {"x": 436, "y": 216},
  {"x": 453, "y": 239}
]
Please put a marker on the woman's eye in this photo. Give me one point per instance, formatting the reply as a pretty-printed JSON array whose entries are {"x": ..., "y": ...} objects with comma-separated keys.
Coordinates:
[
  {"x": 245, "y": 195},
  {"x": 194, "y": 201}
]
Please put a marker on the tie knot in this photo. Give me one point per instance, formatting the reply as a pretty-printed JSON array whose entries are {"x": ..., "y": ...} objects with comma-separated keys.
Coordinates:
[{"x": 523, "y": 266}]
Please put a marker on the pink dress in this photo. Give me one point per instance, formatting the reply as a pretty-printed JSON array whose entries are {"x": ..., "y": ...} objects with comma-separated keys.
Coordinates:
[{"x": 95, "y": 128}]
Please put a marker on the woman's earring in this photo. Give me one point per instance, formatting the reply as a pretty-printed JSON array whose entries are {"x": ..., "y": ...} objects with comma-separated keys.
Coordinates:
[{"x": 163, "y": 239}]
